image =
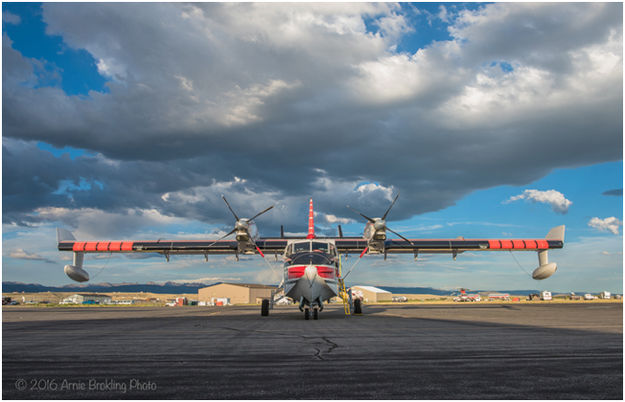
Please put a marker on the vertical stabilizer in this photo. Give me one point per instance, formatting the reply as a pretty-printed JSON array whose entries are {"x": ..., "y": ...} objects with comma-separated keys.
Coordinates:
[{"x": 311, "y": 222}]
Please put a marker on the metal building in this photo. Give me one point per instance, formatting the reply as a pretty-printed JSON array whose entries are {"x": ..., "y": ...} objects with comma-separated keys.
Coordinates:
[
  {"x": 238, "y": 293},
  {"x": 371, "y": 294}
]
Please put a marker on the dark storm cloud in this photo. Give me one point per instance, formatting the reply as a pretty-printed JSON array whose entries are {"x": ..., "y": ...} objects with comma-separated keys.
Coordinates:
[{"x": 301, "y": 101}]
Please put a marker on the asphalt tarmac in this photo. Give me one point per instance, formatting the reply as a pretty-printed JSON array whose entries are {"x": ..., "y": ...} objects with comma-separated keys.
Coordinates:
[{"x": 469, "y": 351}]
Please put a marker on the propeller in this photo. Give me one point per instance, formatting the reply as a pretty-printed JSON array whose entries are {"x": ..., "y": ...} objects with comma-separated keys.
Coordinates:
[
  {"x": 241, "y": 224},
  {"x": 379, "y": 224}
]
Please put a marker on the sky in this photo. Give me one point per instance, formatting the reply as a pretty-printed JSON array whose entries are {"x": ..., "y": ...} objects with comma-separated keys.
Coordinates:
[{"x": 130, "y": 120}]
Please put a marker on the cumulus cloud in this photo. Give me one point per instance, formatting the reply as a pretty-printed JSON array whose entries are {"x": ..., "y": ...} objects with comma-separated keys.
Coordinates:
[
  {"x": 10, "y": 18},
  {"x": 306, "y": 100},
  {"x": 554, "y": 198},
  {"x": 610, "y": 224}
]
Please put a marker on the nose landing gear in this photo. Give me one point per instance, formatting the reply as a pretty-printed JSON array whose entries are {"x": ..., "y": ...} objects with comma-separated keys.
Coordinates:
[{"x": 307, "y": 313}]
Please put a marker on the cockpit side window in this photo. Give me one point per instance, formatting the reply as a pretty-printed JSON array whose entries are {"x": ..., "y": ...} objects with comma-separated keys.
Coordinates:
[{"x": 332, "y": 249}]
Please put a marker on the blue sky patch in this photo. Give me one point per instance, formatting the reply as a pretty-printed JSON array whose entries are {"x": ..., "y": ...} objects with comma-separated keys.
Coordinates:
[
  {"x": 59, "y": 152},
  {"x": 73, "y": 70}
]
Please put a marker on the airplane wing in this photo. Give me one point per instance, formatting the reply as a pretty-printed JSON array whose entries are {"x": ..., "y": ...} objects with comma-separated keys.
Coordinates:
[
  {"x": 67, "y": 242},
  {"x": 395, "y": 246},
  {"x": 553, "y": 240},
  {"x": 169, "y": 247}
]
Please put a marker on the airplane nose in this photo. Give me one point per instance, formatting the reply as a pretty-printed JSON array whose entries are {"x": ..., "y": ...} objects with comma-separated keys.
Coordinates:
[{"x": 310, "y": 274}]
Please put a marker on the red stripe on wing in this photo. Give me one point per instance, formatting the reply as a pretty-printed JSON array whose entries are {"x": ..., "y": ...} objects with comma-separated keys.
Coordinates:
[{"x": 494, "y": 244}]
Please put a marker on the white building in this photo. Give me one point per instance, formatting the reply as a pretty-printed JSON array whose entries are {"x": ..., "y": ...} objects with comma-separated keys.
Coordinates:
[{"x": 371, "y": 294}]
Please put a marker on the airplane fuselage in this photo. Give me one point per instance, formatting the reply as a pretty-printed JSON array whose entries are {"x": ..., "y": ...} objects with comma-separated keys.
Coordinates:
[{"x": 311, "y": 272}]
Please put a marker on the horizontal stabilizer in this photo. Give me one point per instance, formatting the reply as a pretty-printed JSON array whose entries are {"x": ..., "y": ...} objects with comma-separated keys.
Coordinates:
[
  {"x": 556, "y": 233},
  {"x": 64, "y": 235}
]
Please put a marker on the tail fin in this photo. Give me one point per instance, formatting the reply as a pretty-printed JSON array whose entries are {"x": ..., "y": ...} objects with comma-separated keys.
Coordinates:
[
  {"x": 311, "y": 222},
  {"x": 63, "y": 235}
]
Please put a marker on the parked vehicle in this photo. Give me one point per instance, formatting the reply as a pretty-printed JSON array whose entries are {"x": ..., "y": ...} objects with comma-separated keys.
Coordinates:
[
  {"x": 545, "y": 295},
  {"x": 588, "y": 296}
]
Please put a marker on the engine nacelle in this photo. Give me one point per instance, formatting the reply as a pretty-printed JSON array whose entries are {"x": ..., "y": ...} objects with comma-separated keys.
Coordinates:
[
  {"x": 374, "y": 233},
  {"x": 76, "y": 273},
  {"x": 545, "y": 271}
]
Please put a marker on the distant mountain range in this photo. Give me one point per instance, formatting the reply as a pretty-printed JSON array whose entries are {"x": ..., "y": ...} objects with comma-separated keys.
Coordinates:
[
  {"x": 150, "y": 287},
  {"x": 192, "y": 287}
]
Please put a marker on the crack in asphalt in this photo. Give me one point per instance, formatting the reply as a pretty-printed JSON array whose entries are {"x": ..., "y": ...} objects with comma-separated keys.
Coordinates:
[{"x": 331, "y": 346}]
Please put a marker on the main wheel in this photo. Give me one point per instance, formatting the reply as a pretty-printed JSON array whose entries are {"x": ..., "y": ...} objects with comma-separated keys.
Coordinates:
[
  {"x": 315, "y": 314},
  {"x": 264, "y": 308},
  {"x": 357, "y": 306},
  {"x": 307, "y": 314}
]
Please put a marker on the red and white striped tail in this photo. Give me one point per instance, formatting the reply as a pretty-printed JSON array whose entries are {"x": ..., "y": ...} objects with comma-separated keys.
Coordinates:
[{"x": 311, "y": 222}]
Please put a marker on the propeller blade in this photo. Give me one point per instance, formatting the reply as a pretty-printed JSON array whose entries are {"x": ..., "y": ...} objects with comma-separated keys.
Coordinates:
[
  {"x": 259, "y": 214},
  {"x": 222, "y": 237},
  {"x": 230, "y": 208},
  {"x": 364, "y": 216},
  {"x": 389, "y": 208},
  {"x": 392, "y": 231}
]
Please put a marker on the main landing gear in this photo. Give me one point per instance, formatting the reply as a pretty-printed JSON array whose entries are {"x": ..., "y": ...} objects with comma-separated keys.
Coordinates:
[
  {"x": 264, "y": 308},
  {"x": 357, "y": 306},
  {"x": 315, "y": 313}
]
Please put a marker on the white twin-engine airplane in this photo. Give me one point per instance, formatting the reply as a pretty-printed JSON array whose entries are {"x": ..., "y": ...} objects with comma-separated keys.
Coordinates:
[{"x": 312, "y": 268}]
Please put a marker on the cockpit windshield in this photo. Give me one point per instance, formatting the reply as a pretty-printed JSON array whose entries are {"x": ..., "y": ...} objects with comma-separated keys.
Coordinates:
[
  {"x": 308, "y": 246},
  {"x": 320, "y": 246},
  {"x": 301, "y": 247},
  {"x": 310, "y": 258}
]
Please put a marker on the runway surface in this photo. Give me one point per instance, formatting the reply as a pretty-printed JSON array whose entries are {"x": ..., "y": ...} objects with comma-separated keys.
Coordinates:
[{"x": 494, "y": 351}]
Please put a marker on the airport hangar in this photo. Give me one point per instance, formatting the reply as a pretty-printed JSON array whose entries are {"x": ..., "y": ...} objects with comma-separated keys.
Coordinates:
[
  {"x": 371, "y": 294},
  {"x": 238, "y": 293}
]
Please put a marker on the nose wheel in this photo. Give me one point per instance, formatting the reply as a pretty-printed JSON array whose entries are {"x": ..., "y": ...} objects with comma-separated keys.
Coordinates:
[
  {"x": 307, "y": 314},
  {"x": 315, "y": 313}
]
